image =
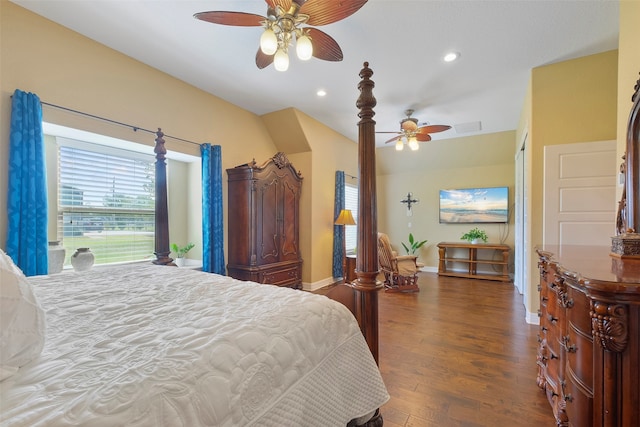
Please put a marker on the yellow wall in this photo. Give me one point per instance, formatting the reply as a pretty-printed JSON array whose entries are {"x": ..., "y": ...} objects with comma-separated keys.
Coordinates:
[
  {"x": 571, "y": 101},
  {"x": 469, "y": 162},
  {"x": 67, "y": 69}
]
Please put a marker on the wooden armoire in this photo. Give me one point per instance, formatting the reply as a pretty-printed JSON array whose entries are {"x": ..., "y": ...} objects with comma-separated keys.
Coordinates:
[{"x": 264, "y": 220}]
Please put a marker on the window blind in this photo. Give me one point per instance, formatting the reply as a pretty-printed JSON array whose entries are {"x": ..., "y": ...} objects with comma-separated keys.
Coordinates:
[
  {"x": 351, "y": 231},
  {"x": 106, "y": 202}
]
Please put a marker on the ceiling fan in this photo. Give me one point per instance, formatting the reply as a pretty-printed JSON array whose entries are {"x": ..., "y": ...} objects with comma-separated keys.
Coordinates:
[
  {"x": 412, "y": 133},
  {"x": 284, "y": 22}
]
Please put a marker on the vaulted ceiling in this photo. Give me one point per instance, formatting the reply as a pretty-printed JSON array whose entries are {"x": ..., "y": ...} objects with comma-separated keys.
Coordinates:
[{"x": 404, "y": 42}]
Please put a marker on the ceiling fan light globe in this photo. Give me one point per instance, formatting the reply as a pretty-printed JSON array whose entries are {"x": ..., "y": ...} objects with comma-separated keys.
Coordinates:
[
  {"x": 268, "y": 42},
  {"x": 281, "y": 60},
  {"x": 304, "y": 48},
  {"x": 399, "y": 145},
  {"x": 413, "y": 144},
  {"x": 409, "y": 125}
]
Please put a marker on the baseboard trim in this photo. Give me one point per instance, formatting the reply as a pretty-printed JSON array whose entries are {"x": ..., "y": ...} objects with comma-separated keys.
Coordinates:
[
  {"x": 312, "y": 287},
  {"x": 532, "y": 318}
]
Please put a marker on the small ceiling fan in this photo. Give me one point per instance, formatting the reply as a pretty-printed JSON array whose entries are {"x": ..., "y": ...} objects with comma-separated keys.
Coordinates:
[
  {"x": 284, "y": 22},
  {"x": 412, "y": 133}
]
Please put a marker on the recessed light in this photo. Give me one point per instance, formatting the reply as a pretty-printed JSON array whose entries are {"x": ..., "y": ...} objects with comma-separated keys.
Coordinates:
[
  {"x": 451, "y": 56},
  {"x": 321, "y": 92}
]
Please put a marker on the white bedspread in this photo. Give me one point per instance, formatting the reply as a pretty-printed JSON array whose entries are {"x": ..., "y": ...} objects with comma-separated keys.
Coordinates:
[{"x": 157, "y": 346}]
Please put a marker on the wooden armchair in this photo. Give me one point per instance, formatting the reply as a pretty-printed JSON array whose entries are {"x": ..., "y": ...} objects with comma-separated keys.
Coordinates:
[{"x": 400, "y": 271}]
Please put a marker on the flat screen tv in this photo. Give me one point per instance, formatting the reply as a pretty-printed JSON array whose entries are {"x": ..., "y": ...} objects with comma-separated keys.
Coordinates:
[{"x": 474, "y": 205}]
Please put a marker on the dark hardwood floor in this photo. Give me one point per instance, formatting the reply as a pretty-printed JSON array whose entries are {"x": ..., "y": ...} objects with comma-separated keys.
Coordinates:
[{"x": 459, "y": 353}]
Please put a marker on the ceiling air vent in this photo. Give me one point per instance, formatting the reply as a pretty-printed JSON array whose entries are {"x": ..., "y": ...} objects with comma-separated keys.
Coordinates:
[{"x": 468, "y": 127}]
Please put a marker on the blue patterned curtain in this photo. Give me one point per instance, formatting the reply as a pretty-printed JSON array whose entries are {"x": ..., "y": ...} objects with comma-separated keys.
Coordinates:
[
  {"x": 338, "y": 230},
  {"x": 212, "y": 218},
  {"x": 27, "y": 193}
]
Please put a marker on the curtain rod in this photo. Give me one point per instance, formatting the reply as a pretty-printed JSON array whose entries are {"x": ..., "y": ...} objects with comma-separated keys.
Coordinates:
[{"x": 134, "y": 128}]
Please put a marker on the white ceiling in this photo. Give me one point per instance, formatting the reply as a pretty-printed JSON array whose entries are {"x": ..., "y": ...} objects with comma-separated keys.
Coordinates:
[{"x": 403, "y": 41}]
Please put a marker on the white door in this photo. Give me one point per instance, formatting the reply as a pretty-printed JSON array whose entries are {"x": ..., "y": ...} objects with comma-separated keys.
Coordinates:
[{"x": 579, "y": 193}]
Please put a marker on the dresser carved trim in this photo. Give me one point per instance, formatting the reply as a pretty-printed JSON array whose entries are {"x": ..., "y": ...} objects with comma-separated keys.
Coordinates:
[{"x": 589, "y": 340}]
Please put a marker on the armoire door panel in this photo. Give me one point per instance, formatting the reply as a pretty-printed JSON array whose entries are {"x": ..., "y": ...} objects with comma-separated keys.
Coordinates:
[
  {"x": 268, "y": 222},
  {"x": 290, "y": 223}
]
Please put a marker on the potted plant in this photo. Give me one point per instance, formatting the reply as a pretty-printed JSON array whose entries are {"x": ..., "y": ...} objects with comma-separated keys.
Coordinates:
[
  {"x": 414, "y": 245},
  {"x": 474, "y": 235},
  {"x": 180, "y": 252}
]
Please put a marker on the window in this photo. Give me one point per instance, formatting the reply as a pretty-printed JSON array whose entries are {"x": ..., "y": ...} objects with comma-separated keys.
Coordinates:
[
  {"x": 351, "y": 231},
  {"x": 106, "y": 201}
]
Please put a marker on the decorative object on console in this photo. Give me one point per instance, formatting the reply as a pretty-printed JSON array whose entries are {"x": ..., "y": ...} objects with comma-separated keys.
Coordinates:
[
  {"x": 82, "y": 259},
  {"x": 345, "y": 218},
  {"x": 283, "y": 24},
  {"x": 414, "y": 245},
  {"x": 57, "y": 253},
  {"x": 180, "y": 252},
  {"x": 474, "y": 235},
  {"x": 412, "y": 133},
  {"x": 264, "y": 221},
  {"x": 409, "y": 201}
]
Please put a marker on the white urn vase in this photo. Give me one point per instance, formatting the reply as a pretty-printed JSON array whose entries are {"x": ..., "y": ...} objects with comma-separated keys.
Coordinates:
[
  {"x": 56, "y": 257},
  {"x": 179, "y": 262},
  {"x": 82, "y": 259}
]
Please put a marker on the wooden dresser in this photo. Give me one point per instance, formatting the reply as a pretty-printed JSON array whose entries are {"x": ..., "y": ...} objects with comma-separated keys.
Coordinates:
[
  {"x": 263, "y": 212},
  {"x": 589, "y": 353}
]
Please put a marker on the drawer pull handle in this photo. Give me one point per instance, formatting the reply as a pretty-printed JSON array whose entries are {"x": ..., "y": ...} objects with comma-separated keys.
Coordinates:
[
  {"x": 539, "y": 287},
  {"x": 565, "y": 343},
  {"x": 544, "y": 329},
  {"x": 553, "y": 356},
  {"x": 544, "y": 299},
  {"x": 551, "y": 318},
  {"x": 568, "y": 398}
]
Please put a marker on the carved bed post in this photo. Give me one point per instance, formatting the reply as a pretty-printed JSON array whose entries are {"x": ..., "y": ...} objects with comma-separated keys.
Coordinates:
[
  {"x": 162, "y": 215},
  {"x": 366, "y": 285}
]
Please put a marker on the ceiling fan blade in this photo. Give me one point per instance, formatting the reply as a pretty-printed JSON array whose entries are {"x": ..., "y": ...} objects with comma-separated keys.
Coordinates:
[
  {"x": 324, "y": 47},
  {"x": 238, "y": 19},
  {"x": 323, "y": 12},
  {"x": 263, "y": 60},
  {"x": 395, "y": 138},
  {"x": 432, "y": 129},
  {"x": 423, "y": 137},
  {"x": 284, "y": 4}
]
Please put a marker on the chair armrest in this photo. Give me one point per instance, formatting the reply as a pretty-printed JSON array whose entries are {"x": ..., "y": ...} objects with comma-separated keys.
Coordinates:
[{"x": 407, "y": 265}]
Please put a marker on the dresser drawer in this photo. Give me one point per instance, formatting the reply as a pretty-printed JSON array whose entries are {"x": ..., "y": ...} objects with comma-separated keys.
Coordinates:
[
  {"x": 579, "y": 405},
  {"x": 579, "y": 352},
  {"x": 281, "y": 277},
  {"x": 578, "y": 308}
]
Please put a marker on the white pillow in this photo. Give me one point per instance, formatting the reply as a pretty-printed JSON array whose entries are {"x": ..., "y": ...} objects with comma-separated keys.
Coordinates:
[{"x": 22, "y": 323}]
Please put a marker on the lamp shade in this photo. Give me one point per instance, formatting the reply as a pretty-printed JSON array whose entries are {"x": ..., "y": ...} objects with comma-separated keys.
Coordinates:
[{"x": 345, "y": 218}]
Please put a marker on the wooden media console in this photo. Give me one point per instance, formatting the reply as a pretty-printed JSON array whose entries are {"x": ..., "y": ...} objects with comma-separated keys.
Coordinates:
[{"x": 450, "y": 256}]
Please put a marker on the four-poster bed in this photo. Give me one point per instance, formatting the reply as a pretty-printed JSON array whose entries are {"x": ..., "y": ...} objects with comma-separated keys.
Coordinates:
[{"x": 151, "y": 345}]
